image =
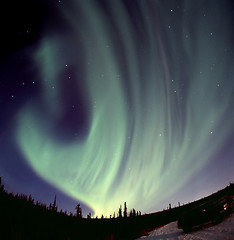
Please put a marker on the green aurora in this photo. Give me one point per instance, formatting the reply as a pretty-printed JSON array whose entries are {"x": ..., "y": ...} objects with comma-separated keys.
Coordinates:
[{"x": 157, "y": 91}]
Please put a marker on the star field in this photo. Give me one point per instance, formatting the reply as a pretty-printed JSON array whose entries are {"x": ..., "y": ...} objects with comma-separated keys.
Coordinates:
[{"x": 120, "y": 101}]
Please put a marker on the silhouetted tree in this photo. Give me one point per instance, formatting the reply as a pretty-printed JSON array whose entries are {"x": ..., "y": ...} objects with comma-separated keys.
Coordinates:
[
  {"x": 120, "y": 211},
  {"x": 125, "y": 209},
  {"x": 30, "y": 199},
  {"x": 89, "y": 215},
  {"x": 78, "y": 211},
  {"x": 130, "y": 214},
  {"x": 54, "y": 207},
  {"x": 1, "y": 185},
  {"x": 133, "y": 212}
]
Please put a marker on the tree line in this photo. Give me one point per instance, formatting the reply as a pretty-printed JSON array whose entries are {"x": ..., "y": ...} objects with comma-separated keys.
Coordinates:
[{"x": 122, "y": 213}]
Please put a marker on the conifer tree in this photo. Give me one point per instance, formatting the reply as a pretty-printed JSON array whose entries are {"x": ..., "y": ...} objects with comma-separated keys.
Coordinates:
[
  {"x": 54, "y": 207},
  {"x": 133, "y": 212},
  {"x": 78, "y": 211},
  {"x": 125, "y": 209},
  {"x": 1, "y": 185},
  {"x": 120, "y": 211}
]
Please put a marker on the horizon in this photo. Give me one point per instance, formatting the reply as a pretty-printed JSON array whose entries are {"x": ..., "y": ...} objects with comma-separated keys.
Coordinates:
[{"x": 53, "y": 205}]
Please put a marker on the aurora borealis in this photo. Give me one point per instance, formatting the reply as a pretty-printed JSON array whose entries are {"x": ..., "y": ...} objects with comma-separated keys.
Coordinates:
[{"x": 131, "y": 100}]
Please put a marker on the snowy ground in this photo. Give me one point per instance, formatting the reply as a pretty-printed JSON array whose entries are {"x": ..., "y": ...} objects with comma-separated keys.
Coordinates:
[{"x": 222, "y": 231}]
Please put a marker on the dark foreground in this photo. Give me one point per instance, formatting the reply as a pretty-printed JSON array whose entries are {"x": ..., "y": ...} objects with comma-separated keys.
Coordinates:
[
  {"x": 220, "y": 231},
  {"x": 22, "y": 218}
]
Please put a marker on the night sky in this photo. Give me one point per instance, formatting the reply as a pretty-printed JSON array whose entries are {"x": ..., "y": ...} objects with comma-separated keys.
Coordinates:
[{"x": 105, "y": 101}]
